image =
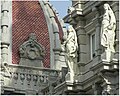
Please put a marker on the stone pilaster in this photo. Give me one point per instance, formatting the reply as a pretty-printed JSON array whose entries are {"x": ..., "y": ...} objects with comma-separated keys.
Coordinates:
[
  {"x": 4, "y": 37},
  {"x": 4, "y": 42},
  {"x": 4, "y": 28},
  {"x": 81, "y": 41}
]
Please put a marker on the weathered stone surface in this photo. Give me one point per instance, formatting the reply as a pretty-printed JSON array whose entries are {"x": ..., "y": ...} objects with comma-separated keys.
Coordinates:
[{"x": 31, "y": 52}]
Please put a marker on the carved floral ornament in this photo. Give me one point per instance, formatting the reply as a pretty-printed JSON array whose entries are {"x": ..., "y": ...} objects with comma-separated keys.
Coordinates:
[{"x": 31, "y": 49}]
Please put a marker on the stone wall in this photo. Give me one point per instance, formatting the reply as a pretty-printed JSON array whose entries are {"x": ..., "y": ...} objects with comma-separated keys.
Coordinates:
[{"x": 86, "y": 18}]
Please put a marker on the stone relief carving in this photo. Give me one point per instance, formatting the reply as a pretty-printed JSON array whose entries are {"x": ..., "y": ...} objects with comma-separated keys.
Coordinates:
[
  {"x": 70, "y": 9},
  {"x": 71, "y": 47},
  {"x": 5, "y": 70},
  {"x": 31, "y": 52},
  {"x": 108, "y": 31}
]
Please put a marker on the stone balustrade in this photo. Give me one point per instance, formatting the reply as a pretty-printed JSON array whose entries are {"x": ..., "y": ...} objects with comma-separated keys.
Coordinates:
[{"x": 24, "y": 78}]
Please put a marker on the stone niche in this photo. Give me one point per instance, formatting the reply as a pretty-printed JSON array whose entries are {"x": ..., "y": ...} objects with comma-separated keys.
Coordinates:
[{"x": 31, "y": 52}]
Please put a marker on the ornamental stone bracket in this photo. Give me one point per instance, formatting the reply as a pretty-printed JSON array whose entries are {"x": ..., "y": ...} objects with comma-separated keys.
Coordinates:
[{"x": 31, "y": 52}]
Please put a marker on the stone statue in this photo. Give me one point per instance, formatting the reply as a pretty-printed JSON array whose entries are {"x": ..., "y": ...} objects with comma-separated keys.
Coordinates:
[
  {"x": 71, "y": 47},
  {"x": 108, "y": 31}
]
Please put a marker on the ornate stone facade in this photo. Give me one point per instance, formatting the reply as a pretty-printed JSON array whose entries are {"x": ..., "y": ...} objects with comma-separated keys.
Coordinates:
[
  {"x": 95, "y": 75},
  {"x": 80, "y": 53},
  {"x": 29, "y": 64}
]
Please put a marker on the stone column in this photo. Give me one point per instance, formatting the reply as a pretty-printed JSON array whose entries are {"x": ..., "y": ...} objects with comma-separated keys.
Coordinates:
[
  {"x": 4, "y": 42},
  {"x": 4, "y": 27}
]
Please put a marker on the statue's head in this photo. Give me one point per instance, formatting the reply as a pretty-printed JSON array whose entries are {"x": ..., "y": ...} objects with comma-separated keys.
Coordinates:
[
  {"x": 106, "y": 6},
  {"x": 70, "y": 28}
]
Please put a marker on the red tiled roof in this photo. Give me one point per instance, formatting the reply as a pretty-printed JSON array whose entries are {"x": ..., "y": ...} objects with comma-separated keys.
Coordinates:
[{"x": 28, "y": 17}]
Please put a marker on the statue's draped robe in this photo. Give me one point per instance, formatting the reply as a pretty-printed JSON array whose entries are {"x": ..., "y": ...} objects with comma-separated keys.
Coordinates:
[{"x": 108, "y": 30}]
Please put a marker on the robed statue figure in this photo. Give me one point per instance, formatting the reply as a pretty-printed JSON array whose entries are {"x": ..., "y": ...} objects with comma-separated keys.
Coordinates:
[
  {"x": 71, "y": 47},
  {"x": 108, "y": 31}
]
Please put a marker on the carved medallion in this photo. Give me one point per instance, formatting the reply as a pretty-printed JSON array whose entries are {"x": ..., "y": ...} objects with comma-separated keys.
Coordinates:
[{"x": 31, "y": 52}]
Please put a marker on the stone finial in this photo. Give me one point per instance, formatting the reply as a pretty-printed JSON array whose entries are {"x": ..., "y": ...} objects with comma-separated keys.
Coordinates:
[{"x": 31, "y": 52}]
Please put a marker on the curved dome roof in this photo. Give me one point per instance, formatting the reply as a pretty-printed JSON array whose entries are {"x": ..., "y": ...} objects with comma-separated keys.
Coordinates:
[{"x": 29, "y": 17}]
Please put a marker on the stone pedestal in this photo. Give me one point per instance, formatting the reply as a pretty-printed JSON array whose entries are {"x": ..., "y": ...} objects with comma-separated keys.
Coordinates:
[
  {"x": 69, "y": 77},
  {"x": 107, "y": 56}
]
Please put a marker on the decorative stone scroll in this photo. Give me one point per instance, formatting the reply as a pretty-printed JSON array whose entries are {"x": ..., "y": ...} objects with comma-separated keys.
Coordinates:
[{"x": 31, "y": 52}]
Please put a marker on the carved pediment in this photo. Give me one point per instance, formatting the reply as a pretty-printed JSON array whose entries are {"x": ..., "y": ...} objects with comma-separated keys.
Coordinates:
[{"x": 31, "y": 50}]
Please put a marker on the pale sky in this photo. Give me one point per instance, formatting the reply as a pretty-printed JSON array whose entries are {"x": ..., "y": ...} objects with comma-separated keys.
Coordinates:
[{"x": 61, "y": 6}]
